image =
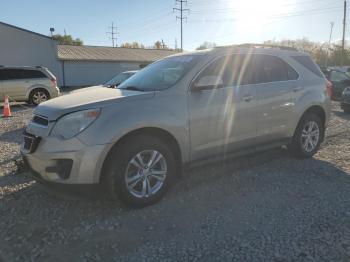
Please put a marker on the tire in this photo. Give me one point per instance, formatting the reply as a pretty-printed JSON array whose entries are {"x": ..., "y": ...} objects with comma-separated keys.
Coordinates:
[
  {"x": 347, "y": 111},
  {"x": 123, "y": 164},
  {"x": 38, "y": 96},
  {"x": 299, "y": 146}
]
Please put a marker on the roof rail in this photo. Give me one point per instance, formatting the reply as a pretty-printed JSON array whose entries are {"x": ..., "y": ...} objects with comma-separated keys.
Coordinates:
[{"x": 267, "y": 46}]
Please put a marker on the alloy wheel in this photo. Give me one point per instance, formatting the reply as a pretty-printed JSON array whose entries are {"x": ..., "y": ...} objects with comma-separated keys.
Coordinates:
[
  {"x": 145, "y": 173},
  {"x": 310, "y": 136}
]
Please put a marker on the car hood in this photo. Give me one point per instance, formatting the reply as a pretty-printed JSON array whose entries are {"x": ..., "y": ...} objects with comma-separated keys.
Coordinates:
[
  {"x": 87, "y": 88},
  {"x": 92, "y": 98}
]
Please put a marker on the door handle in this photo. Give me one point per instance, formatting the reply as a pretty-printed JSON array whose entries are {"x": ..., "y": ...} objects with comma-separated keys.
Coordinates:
[
  {"x": 247, "y": 98},
  {"x": 296, "y": 89}
]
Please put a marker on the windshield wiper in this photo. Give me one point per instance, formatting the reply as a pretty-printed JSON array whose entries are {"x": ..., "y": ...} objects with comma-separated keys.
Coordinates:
[{"x": 134, "y": 88}]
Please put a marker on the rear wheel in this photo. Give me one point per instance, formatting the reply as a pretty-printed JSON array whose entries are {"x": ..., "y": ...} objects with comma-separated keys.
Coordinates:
[
  {"x": 38, "y": 96},
  {"x": 308, "y": 136},
  {"x": 140, "y": 171}
]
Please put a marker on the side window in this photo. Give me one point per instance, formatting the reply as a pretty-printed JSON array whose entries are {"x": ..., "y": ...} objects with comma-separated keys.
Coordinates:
[
  {"x": 7, "y": 74},
  {"x": 270, "y": 69},
  {"x": 2, "y": 74},
  {"x": 338, "y": 76},
  {"x": 32, "y": 74},
  {"x": 233, "y": 70},
  {"x": 216, "y": 69},
  {"x": 292, "y": 74}
]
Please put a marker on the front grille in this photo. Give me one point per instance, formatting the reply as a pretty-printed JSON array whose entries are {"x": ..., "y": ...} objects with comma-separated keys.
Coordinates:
[
  {"x": 30, "y": 142},
  {"x": 40, "y": 120}
]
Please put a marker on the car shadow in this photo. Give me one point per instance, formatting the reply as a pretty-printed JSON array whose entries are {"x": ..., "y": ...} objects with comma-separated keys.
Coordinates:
[
  {"x": 248, "y": 192},
  {"x": 341, "y": 114},
  {"x": 13, "y": 136},
  {"x": 279, "y": 159}
]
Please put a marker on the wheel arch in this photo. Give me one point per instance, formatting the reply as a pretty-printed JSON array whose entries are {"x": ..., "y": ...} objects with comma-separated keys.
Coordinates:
[
  {"x": 32, "y": 88},
  {"x": 160, "y": 133},
  {"x": 315, "y": 109}
]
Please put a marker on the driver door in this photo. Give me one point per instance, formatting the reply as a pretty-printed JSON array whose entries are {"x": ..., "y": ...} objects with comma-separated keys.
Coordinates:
[{"x": 222, "y": 113}]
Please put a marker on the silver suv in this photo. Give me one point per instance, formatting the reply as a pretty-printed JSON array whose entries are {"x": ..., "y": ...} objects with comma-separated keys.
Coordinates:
[
  {"x": 31, "y": 84},
  {"x": 185, "y": 109}
]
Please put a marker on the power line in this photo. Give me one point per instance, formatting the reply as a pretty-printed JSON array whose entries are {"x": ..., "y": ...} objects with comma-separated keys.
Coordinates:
[
  {"x": 181, "y": 17},
  {"x": 113, "y": 34},
  {"x": 343, "y": 40},
  {"x": 329, "y": 44}
]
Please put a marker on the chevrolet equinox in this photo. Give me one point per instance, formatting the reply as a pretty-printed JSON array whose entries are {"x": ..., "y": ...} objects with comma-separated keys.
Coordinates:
[{"x": 184, "y": 109}]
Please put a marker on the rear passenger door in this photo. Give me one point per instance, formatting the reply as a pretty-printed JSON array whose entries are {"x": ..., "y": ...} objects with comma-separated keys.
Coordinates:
[{"x": 275, "y": 86}]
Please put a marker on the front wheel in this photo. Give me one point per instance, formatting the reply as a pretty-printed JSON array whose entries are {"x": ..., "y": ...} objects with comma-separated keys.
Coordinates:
[
  {"x": 140, "y": 171},
  {"x": 308, "y": 136}
]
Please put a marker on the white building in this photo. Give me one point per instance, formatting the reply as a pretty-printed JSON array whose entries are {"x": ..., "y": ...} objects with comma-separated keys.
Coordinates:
[
  {"x": 91, "y": 65},
  {"x": 20, "y": 47},
  {"x": 72, "y": 65}
]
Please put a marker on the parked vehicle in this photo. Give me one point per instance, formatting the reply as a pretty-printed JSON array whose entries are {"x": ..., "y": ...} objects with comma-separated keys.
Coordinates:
[
  {"x": 31, "y": 84},
  {"x": 345, "y": 100},
  {"x": 120, "y": 78},
  {"x": 339, "y": 80},
  {"x": 113, "y": 83},
  {"x": 180, "y": 111}
]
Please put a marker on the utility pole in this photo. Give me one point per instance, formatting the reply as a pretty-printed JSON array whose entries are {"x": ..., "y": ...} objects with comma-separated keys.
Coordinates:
[
  {"x": 329, "y": 43},
  {"x": 181, "y": 17},
  {"x": 343, "y": 40},
  {"x": 113, "y": 34}
]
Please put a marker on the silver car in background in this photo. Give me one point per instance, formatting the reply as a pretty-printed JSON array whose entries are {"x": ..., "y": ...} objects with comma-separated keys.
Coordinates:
[
  {"x": 30, "y": 84},
  {"x": 183, "y": 110}
]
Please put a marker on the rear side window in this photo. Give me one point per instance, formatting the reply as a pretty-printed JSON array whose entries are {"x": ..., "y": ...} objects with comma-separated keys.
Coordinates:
[
  {"x": 270, "y": 69},
  {"x": 307, "y": 62},
  {"x": 14, "y": 74}
]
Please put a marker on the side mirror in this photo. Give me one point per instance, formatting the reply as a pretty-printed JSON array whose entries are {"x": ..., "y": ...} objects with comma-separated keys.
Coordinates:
[{"x": 207, "y": 83}]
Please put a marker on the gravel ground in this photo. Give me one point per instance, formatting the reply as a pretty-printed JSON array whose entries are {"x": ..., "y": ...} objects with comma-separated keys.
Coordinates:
[{"x": 266, "y": 207}]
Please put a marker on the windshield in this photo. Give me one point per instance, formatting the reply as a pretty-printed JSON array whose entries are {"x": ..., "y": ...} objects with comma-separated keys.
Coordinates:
[
  {"x": 161, "y": 75},
  {"x": 118, "y": 79}
]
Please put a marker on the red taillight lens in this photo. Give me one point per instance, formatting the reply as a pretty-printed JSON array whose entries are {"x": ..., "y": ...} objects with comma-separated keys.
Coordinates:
[
  {"x": 54, "y": 82},
  {"x": 329, "y": 88}
]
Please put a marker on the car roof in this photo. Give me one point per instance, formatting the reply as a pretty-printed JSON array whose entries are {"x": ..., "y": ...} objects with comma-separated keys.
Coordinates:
[
  {"x": 244, "y": 49},
  {"x": 23, "y": 67}
]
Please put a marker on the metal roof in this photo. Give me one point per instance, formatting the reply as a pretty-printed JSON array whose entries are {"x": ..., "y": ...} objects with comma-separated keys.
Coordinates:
[
  {"x": 25, "y": 30},
  {"x": 102, "y": 53}
]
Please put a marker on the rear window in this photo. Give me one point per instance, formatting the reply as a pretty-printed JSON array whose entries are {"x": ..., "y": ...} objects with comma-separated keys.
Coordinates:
[
  {"x": 17, "y": 74},
  {"x": 307, "y": 62}
]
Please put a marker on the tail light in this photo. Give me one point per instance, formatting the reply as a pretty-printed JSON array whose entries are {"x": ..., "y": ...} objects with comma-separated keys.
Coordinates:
[
  {"x": 329, "y": 88},
  {"x": 53, "y": 82}
]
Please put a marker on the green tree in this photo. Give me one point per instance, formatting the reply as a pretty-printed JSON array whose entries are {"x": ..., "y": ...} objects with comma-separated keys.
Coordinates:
[
  {"x": 67, "y": 40},
  {"x": 132, "y": 45},
  {"x": 206, "y": 45}
]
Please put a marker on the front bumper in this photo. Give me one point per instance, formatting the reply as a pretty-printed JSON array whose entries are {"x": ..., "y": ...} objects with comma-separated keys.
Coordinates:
[{"x": 65, "y": 161}]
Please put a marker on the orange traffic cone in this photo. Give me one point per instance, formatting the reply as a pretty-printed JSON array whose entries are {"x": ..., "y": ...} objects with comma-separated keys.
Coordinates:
[{"x": 7, "y": 110}]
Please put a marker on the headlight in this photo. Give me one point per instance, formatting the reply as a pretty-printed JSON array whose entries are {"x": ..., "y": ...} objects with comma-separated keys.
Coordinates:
[{"x": 72, "y": 124}]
